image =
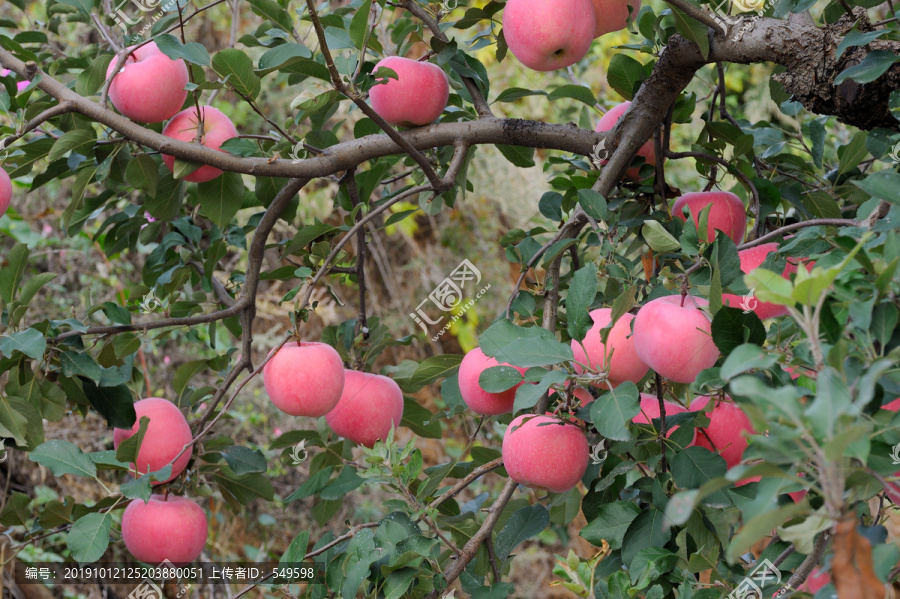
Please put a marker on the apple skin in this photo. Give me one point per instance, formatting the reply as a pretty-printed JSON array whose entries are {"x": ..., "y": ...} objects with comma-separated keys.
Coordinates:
[
  {"x": 752, "y": 258},
  {"x": 370, "y": 405},
  {"x": 173, "y": 528},
  {"x": 727, "y": 213},
  {"x": 727, "y": 423},
  {"x": 5, "y": 191},
  {"x": 893, "y": 406},
  {"x": 552, "y": 457},
  {"x": 417, "y": 97},
  {"x": 545, "y": 35},
  {"x": 218, "y": 128},
  {"x": 625, "y": 364},
  {"x": 817, "y": 579},
  {"x": 167, "y": 434},
  {"x": 797, "y": 496},
  {"x": 305, "y": 379},
  {"x": 650, "y": 410},
  {"x": 20, "y": 85},
  {"x": 612, "y": 15},
  {"x": 610, "y": 120},
  {"x": 674, "y": 340},
  {"x": 150, "y": 87},
  {"x": 479, "y": 400}
]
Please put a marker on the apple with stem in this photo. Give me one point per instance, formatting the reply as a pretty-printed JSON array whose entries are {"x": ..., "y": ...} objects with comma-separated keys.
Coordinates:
[
  {"x": 150, "y": 88},
  {"x": 476, "y": 398},
  {"x": 217, "y": 129},
  {"x": 164, "y": 528},
  {"x": 672, "y": 335},
  {"x": 624, "y": 363},
  {"x": 167, "y": 434},
  {"x": 544, "y": 452},
  {"x": 417, "y": 96},
  {"x": 727, "y": 213},
  {"x": 305, "y": 378},
  {"x": 545, "y": 35},
  {"x": 370, "y": 405}
]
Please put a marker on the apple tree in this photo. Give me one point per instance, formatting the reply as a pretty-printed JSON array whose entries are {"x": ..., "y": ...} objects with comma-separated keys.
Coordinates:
[{"x": 698, "y": 359}]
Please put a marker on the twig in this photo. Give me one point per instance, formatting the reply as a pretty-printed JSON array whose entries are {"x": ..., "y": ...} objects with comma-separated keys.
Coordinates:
[{"x": 662, "y": 427}]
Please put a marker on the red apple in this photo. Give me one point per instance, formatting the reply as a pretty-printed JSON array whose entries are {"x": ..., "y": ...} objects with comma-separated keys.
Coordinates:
[
  {"x": 727, "y": 213},
  {"x": 479, "y": 400},
  {"x": 613, "y": 15},
  {"x": 625, "y": 364},
  {"x": 305, "y": 379},
  {"x": 370, "y": 406},
  {"x": 20, "y": 85},
  {"x": 552, "y": 457},
  {"x": 650, "y": 410},
  {"x": 546, "y": 35},
  {"x": 167, "y": 434},
  {"x": 610, "y": 120},
  {"x": 893, "y": 406},
  {"x": 165, "y": 528},
  {"x": 417, "y": 97},
  {"x": 727, "y": 425},
  {"x": 752, "y": 258},
  {"x": 150, "y": 87},
  {"x": 5, "y": 191},
  {"x": 817, "y": 579},
  {"x": 217, "y": 129},
  {"x": 674, "y": 339}
]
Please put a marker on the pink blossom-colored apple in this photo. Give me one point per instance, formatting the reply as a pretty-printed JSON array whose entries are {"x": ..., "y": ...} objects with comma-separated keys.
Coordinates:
[
  {"x": 673, "y": 338},
  {"x": 479, "y": 400},
  {"x": 625, "y": 365},
  {"x": 650, "y": 410},
  {"x": 167, "y": 434},
  {"x": 20, "y": 85},
  {"x": 752, "y": 258},
  {"x": 304, "y": 379},
  {"x": 150, "y": 87},
  {"x": 546, "y": 35},
  {"x": 725, "y": 433},
  {"x": 165, "y": 528},
  {"x": 370, "y": 405},
  {"x": 543, "y": 452},
  {"x": 5, "y": 191},
  {"x": 727, "y": 213},
  {"x": 217, "y": 129},
  {"x": 614, "y": 15},
  {"x": 417, "y": 97},
  {"x": 610, "y": 120}
]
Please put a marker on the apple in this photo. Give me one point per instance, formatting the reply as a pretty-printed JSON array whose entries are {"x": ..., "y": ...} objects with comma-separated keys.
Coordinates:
[
  {"x": 625, "y": 365},
  {"x": 20, "y": 85},
  {"x": 304, "y": 379},
  {"x": 479, "y": 400},
  {"x": 417, "y": 97},
  {"x": 650, "y": 410},
  {"x": 727, "y": 425},
  {"x": 797, "y": 496},
  {"x": 546, "y": 35},
  {"x": 167, "y": 434},
  {"x": 727, "y": 213},
  {"x": 165, "y": 528},
  {"x": 613, "y": 15},
  {"x": 609, "y": 120},
  {"x": 370, "y": 405},
  {"x": 752, "y": 258},
  {"x": 675, "y": 339},
  {"x": 5, "y": 191},
  {"x": 150, "y": 87},
  {"x": 217, "y": 128},
  {"x": 892, "y": 406},
  {"x": 816, "y": 580},
  {"x": 543, "y": 452}
]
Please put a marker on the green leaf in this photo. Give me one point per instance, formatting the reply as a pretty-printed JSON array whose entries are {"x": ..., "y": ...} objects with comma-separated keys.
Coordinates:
[
  {"x": 873, "y": 66},
  {"x": 625, "y": 75},
  {"x": 498, "y": 379},
  {"x": 116, "y": 404},
  {"x": 884, "y": 185},
  {"x": 79, "y": 141},
  {"x": 521, "y": 156},
  {"x": 166, "y": 203},
  {"x": 359, "y": 25},
  {"x": 138, "y": 488},
  {"x": 283, "y": 55},
  {"x": 521, "y": 526},
  {"x": 658, "y": 238},
  {"x": 575, "y": 92},
  {"x": 857, "y": 38},
  {"x": 237, "y": 68},
  {"x": 745, "y": 358},
  {"x": 647, "y": 530},
  {"x": 128, "y": 449},
  {"x": 731, "y": 327},
  {"x": 16, "y": 512},
  {"x": 13, "y": 424},
  {"x": 610, "y": 524},
  {"x": 142, "y": 173},
  {"x": 89, "y": 537},
  {"x": 612, "y": 412},
  {"x": 512, "y": 94},
  {"x": 221, "y": 198},
  {"x": 593, "y": 204},
  {"x": 62, "y": 457},
  {"x": 649, "y": 564},
  {"x": 692, "y": 29},
  {"x": 192, "y": 52},
  {"x": 762, "y": 525},
  {"x": 30, "y": 342},
  {"x": 695, "y": 466},
  {"x": 243, "y": 459},
  {"x": 852, "y": 153},
  {"x": 346, "y": 481},
  {"x": 272, "y": 11},
  {"x": 582, "y": 291},
  {"x": 536, "y": 352},
  {"x": 83, "y": 6},
  {"x": 296, "y": 551},
  {"x": 15, "y": 261},
  {"x": 80, "y": 364}
]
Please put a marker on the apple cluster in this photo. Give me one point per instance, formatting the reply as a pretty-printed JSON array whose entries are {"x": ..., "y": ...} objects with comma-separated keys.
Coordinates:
[{"x": 309, "y": 379}]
